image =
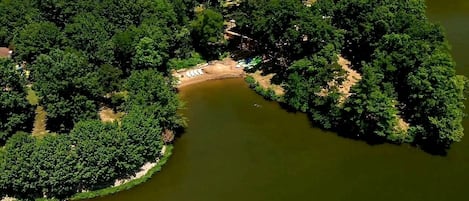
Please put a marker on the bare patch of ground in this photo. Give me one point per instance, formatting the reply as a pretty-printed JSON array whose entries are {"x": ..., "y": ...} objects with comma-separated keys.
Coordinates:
[
  {"x": 309, "y": 2},
  {"x": 351, "y": 78},
  {"x": 265, "y": 82},
  {"x": 142, "y": 172},
  {"x": 108, "y": 115},
  {"x": 8, "y": 199},
  {"x": 401, "y": 124},
  {"x": 225, "y": 68}
]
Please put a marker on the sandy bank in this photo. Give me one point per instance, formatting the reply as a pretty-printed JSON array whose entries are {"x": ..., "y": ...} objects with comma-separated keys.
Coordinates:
[
  {"x": 265, "y": 82},
  {"x": 213, "y": 71},
  {"x": 143, "y": 170}
]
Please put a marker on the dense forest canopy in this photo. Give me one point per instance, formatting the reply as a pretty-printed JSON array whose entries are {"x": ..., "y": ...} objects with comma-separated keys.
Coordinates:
[
  {"x": 85, "y": 54},
  {"x": 409, "y": 91}
]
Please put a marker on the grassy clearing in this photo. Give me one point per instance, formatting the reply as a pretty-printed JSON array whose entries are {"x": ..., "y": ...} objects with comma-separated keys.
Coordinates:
[
  {"x": 32, "y": 97},
  {"x": 39, "y": 127}
]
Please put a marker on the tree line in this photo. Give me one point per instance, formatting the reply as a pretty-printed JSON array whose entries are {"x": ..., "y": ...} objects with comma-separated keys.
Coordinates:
[
  {"x": 93, "y": 154},
  {"x": 97, "y": 44},
  {"x": 83, "y": 55},
  {"x": 407, "y": 70}
]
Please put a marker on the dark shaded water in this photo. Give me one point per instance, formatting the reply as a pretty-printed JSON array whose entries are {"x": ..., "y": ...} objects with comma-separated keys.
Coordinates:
[{"x": 233, "y": 151}]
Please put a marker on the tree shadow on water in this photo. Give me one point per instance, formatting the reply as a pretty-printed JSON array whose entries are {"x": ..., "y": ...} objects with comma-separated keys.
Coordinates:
[
  {"x": 179, "y": 132},
  {"x": 288, "y": 107},
  {"x": 431, "y": 148}
]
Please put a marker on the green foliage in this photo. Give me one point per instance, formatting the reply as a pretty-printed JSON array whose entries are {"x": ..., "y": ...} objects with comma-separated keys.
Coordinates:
[
  {"x": 436, "y": 100},
  {"x": 124, "y": 47},
  {"x": 94, "y": 154},
  {"x": 142, "y": 127},
  {"x": 66, "y": 100},
  {"x": 404, "y": 60},
  {"x": 309, "y": 89},
  {"x": 79, "y": 53},
  {"x": 90, "y": 34},
  {"x": 150, "y": 89},
  {"x": 251, "y": 81},
  {"x": 60, "y": 12},
  {"x": 128, "y": 185},
  {"x": 285, "y": 30},
  {"x": 35, "y": 39},
  {"x": 194, "y": 59},
  {"x": 14, "y": 15},
  {"x": 411, "y": 56},
  {"x": 127, "y": 13},
  {"x": 370, "y": 109},
  {"x": 147, "y": 54},
  {"x": 16, "y": 112},
  {"x": 109, "y": 77},
  {"x": 375, "y": 19},
  {"x": 20, "y": 147},
  {"x": 268, "y": 93},
  {"x": 207, "y": 32}
]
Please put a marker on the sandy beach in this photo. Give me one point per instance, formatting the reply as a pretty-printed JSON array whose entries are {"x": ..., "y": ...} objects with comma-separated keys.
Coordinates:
[{"x": 225, "y": 68}]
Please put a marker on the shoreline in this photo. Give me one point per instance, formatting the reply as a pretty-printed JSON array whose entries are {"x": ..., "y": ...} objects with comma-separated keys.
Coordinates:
[
  {"x": 216, "y": 70},
  {"x": 146, "y": 172},
  {"x": 218, "y": 77}
]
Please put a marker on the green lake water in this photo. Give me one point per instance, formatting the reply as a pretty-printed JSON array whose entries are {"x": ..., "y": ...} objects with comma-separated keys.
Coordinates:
[{"x": 233, "y": 151}]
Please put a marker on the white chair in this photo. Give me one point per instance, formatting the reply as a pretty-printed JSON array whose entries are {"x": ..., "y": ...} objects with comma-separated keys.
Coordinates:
[
  {"x": 201, "y": 72},
  {"x": 188, "y": 73}
]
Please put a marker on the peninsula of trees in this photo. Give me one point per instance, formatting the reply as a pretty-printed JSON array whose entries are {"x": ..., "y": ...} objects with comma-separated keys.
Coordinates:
[
  {"x": 408, "y": 91},
  {"x": 85, "y": 54}
]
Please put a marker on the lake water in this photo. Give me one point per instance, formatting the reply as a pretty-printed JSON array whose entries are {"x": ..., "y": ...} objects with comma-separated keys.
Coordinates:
[{"x": 233, "y": 151}]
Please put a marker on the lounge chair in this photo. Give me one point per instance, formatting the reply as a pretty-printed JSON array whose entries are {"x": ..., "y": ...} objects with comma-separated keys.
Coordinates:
[{"x": 201, "y": 72}]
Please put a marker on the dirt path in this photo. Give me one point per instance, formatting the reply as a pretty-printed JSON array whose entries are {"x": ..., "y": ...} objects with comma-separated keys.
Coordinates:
[
  {"x": 351, "y": 79},
  {"x": 39, "y": 127},
  {"x": 216, "y": 70}
]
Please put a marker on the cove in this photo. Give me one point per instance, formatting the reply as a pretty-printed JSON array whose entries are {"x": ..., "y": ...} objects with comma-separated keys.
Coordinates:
[{"x": 233, "y": 151}]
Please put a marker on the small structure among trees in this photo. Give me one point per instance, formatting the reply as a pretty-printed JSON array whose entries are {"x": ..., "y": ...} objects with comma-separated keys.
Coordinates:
[{"x": 5, "y": 52}]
